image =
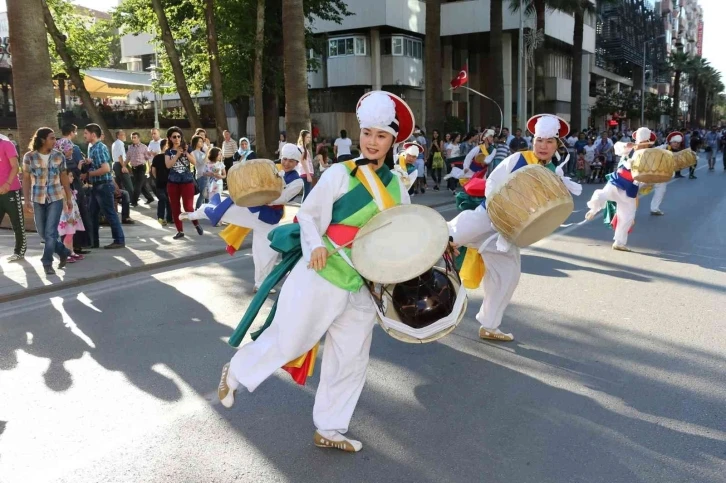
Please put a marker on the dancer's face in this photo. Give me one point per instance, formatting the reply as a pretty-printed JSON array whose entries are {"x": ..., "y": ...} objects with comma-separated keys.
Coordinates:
[
  {"x": 375, "y": 143},
  {"x": 545, "y": 148}
]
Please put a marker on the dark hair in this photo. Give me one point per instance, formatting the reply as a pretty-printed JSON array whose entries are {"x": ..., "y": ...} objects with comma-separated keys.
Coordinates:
[
  {"x": 343, "y": 133},
  {"x": 119, "y": 132},
  {"x": 200, "y": 129},
  {"x": 195, "y": 140},
  {"x": 67, "y": 129},
  {"x": 135, "y": 134},
  {"x": 172, "y": 130},
  {"x": 162, "y": 144},
  {"x": 435, "y": 134},
  {"x": 94, "y": 129},
  {"x": 214, "y": 154},
  {"x": 39, "y": 138}
]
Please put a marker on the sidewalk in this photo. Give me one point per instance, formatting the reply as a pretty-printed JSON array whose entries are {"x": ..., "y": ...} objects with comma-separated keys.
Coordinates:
[{"x": 149, "y": 246}]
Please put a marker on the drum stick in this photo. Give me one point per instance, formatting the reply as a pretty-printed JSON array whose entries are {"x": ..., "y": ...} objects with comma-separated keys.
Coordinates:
[{"x": 351, "y": 241}]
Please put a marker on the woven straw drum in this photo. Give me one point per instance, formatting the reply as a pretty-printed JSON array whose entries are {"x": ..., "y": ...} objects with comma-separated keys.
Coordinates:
[
  {"x": 531, "y": 205},
  {"x": 254, "y": 183},
  {"x": 652, "y": 165},
  {"x": 684, "y": 159}
]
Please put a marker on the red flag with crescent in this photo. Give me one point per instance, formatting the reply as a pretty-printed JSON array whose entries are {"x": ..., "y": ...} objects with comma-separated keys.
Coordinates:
[{"x": 460, "y": 79}]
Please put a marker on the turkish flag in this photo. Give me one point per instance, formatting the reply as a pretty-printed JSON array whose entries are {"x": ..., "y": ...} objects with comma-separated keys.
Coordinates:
[{"x": 460, "y": 79}]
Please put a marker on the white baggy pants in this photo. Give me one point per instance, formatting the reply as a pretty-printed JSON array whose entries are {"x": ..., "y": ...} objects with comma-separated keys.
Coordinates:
[
  {"x": 659, "y": 191},
  {"x": 626, "y": 209},
  {"x": 309, "y": 307},
  {"x": 474, "y": 229}
]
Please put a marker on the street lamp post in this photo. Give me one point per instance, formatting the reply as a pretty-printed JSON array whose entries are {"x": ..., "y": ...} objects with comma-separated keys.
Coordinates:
[
  {"x": 642, "y": 89},
  {"x": 154, "y": 77}
]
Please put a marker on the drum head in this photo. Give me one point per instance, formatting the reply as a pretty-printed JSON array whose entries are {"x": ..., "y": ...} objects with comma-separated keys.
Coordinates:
[
  {"x": 408, "y": 240},
  {"x": 256, "y": 198}
]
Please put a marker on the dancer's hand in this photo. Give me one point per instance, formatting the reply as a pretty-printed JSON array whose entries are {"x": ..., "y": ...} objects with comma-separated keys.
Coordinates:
[
  {"x": 318, "y": 259},
  {"x": 455, "y": 248}
]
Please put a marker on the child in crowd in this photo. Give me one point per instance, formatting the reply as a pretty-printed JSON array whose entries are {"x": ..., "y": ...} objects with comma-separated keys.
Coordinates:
[
  {"x": 596, "y": 168},
  {"x": 70, "y": 222},
  {"x": 580, "y": 166},
  {"x": 215, "y": 170}
]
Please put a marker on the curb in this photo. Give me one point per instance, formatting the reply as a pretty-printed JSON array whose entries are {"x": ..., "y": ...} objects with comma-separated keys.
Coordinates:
[{"x": 107, "y": 276}]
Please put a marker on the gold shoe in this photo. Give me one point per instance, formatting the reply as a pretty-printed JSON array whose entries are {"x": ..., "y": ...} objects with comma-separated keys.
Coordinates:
[
  {"x": 590, "y": 215},
  {"x": 348, "y": 445},
  {"x": 225, "y": 393},
  {"x": 494, "y": 334},
  {"x": 621, "y": 248}
]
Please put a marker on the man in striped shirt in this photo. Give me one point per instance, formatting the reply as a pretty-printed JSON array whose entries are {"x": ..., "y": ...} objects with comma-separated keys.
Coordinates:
[
  {"x": 229, "y": 147},
  {"x": 137, "y": 156}
]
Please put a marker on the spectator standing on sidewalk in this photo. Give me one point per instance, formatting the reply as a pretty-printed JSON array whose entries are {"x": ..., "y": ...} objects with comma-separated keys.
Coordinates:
[
  {"x": 712, "y": 141},
  {"x": 138, "y": 155},
  {"x": 229, "y": 147},
  {"x": 102, "y": 192},
  {"x": 44, "y": 181},
  {"x": 342, "y": 145},
  {"x": 196, "y": 148},
  {"x": 305, "y": 166},
  {"x": 120, "y": 163},
  {"x": 155, "y": 143},
  {"x": 160, "y": 173},
  {"x": 518, "y": 143},
  {"x": 10, "y": 203},
  {"x": 180, "y": 184},
  {"x": 81, "y": 239}
]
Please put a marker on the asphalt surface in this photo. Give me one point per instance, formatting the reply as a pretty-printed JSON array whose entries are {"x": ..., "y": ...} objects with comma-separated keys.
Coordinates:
[{"x": 617, "y": 374}]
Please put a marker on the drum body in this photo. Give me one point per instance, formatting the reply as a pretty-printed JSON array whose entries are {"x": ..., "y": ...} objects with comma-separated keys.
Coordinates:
[
  {"x": 423, "y": 309},
  {"x": 382, "y": 250},
  {"x": 652, "y": 165},
  {"x": 254, "y": 183},
  {"x": 684, "y": 159},
  {"x": 530, "y": 205}
]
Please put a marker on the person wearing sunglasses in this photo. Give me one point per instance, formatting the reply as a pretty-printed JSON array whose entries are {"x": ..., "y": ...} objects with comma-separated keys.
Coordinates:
[{"x": 180, "y": 184}]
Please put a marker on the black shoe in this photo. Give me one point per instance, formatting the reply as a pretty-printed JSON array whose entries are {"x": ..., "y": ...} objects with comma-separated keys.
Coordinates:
[
  {"x": 49, "y": 270},
  {"x": 436, "y": 188},
  {"x": 134, "y": 205},
  {"x": 692, "y": 177},
  {"x": 96, "y": 246},
  {"x": 115, "y": 245},
  {"x": 679, "y": 175},
  {"x": 63, "y": 261},
  {"x": 179, "y": 234},
  {"x": 200, "y": 230},
  {"x": 148, "y": 202},
  {"x": 128, "y": 221}
]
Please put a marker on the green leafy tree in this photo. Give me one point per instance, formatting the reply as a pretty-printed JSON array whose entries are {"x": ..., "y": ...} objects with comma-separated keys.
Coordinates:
[{"x": 678, "y": 62}]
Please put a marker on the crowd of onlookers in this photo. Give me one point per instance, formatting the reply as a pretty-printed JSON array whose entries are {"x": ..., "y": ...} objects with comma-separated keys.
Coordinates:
[{"x": 71, "y": 193}]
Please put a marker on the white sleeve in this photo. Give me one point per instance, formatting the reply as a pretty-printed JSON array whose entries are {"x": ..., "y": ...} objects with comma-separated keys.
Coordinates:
[
  {"x": 491, "y": 156},
  {"x": 470, "y": 157},
  {"x": 501, "y": 173},
  {"x": 620, "y": 148},
  {"x": 405, "y": 198},
  {"x": 289, "y": 192},
  {"x": 316, "y": 211}
]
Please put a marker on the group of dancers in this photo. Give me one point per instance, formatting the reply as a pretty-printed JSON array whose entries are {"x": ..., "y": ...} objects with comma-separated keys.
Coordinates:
[{"x": 324, "y": 295}]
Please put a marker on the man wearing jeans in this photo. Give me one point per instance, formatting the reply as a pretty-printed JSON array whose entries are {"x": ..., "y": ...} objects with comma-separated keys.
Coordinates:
[
  {"x": 10, "y": 196},
  {"x": 102, "y": 194},
  {"x": 137, "y": 155},
  {"x": 45, "y": 170}
]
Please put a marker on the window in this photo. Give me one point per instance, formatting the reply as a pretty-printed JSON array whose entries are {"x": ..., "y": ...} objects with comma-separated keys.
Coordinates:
[
  {"x": 346, "y": 46},
  {"x": 402, "y": 46}
]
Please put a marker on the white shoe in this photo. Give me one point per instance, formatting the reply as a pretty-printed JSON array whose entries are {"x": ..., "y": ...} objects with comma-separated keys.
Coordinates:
[
  {"x": 183, "y": 216},
  {"x": 590, "y": 215},
  {"x": 621, "y": 248},
  {"x": 225, "y": 391},
  {"x": 333, "y": 439}
]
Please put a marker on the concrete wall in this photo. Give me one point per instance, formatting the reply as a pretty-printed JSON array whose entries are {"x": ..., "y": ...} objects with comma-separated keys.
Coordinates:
[
  {"x": 351, "y": 70},
  {"x": 135, "y": 46},
  {"x": 404, "y": 14}
]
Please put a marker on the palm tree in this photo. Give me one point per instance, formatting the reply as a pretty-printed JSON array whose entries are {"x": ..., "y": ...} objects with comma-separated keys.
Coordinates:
[
  {"x": 260, "y": 144},
  {"x": 497, "y": 66},
  {"x": 297, "y": 107},
  {"x": 176, "y": 66},
  {"x": 32, "y": 84},
  {"x": 678, "y": 62},
  {"x": 73, "y": 71},
  {"x": 435, "y": 114},
  {"x": 539, "y": 8},
  {"x": 696, "y": 67},
  {"x": 215, "y": 73},
  {"x": 711, "y": 85}
]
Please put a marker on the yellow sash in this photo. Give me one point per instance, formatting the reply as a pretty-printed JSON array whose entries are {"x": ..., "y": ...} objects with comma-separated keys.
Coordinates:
[
  {"x": 483, "y": 153},
  {"x": 472, "y": 269},
  {"x": 234, "y": 235},
  {"x": 373, "y": 184}
]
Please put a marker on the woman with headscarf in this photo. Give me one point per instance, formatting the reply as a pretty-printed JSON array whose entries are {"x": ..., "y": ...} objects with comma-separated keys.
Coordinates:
[{"x": 244, "y": 152}]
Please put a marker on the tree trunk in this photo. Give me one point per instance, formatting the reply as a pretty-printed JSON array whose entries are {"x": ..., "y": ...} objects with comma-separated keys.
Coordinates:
[
  {"x": 496, "y": 84},
  {"x": 171, "y": 52},
  {"x": 539, "y": 59},
  {"x": 676, "y": 98},
  {"x": 62, "y": 92},
  {"x": 260, "y": 144},
  {"x": 576, "y": 87},
  {"x": 297, "y": 107},
  {"x": 74, "y": 72},
  {"x": 274, "y": 49},
  {"x": 215, "y": 74},
  {"x": 241, "y": 106},
  {"x": 32, "y": 85},
  {"x": 272, "y": 119},
  {"x": 434, "y": 96}
]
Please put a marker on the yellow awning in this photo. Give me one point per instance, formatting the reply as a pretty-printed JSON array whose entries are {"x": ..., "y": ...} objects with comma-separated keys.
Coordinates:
[{"x": 114, "y": 83}]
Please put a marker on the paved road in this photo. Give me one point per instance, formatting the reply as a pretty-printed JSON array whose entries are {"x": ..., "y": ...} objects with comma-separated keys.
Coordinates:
[{"x": 617, "y": 374}]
